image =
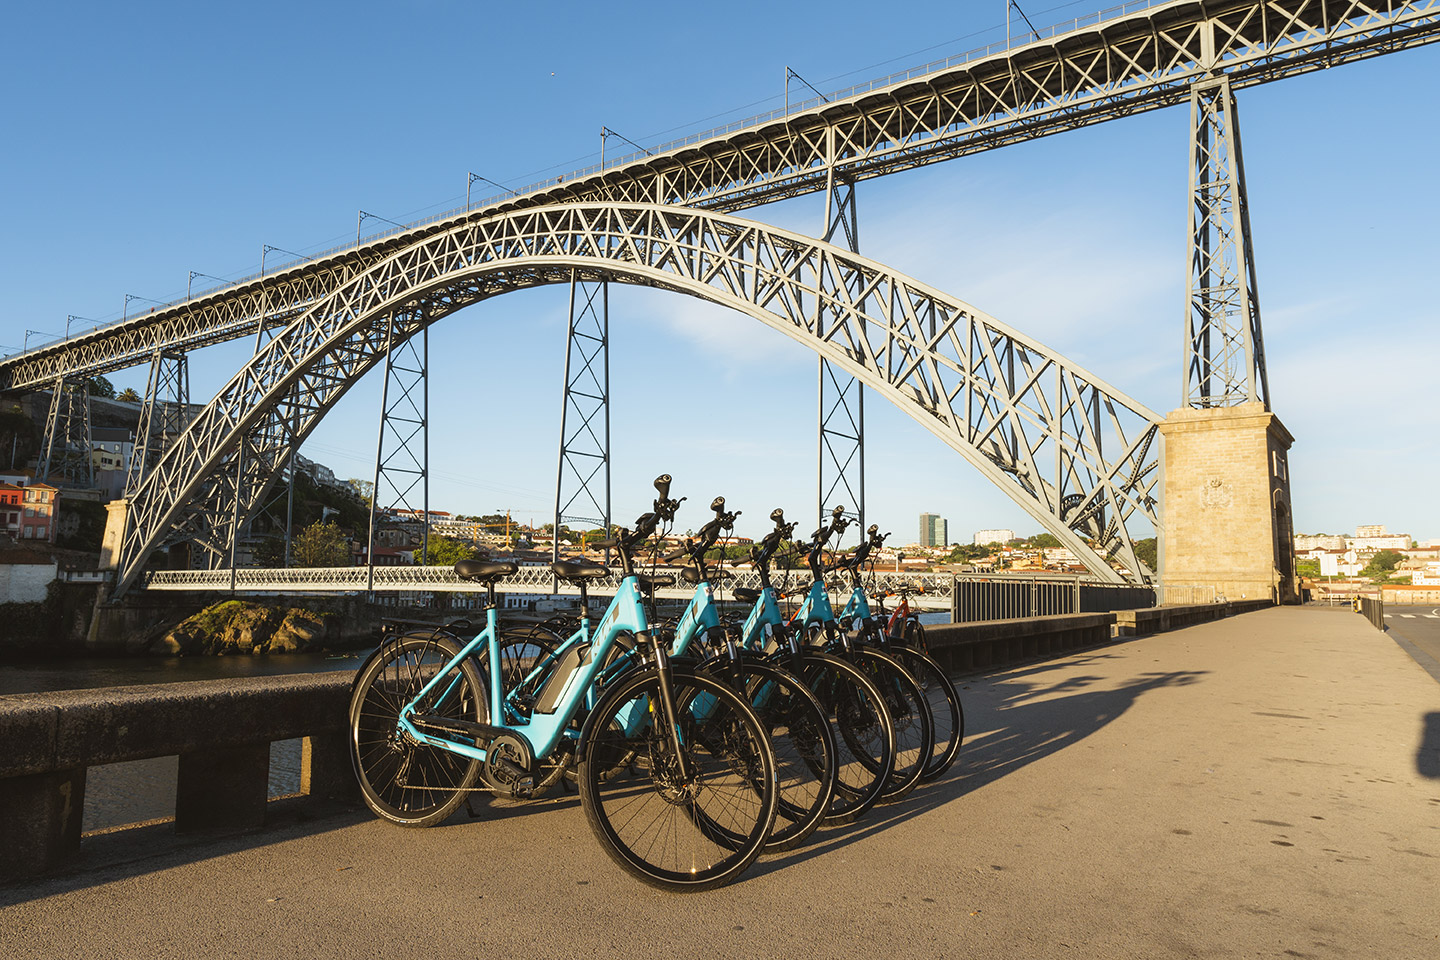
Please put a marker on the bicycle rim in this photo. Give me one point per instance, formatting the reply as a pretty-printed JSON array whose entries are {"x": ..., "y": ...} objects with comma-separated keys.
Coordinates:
[
  {"x": 864, "y": 733},
  {"x": 668, "y": 830},
  {"x": 402, "y": 780}
]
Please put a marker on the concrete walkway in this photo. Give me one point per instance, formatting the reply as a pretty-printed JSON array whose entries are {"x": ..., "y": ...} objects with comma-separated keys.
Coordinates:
[{"x": 1264, "y": 786}]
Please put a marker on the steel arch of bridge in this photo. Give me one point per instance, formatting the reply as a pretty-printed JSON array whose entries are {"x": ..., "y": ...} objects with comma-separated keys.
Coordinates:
[{"x": 1076, "y": 453}]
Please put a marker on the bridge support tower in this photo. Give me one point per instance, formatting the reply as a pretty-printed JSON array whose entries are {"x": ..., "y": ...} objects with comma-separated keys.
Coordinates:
[
  {"x": 1227, "y": 523},
  {"x": 841, "y": 468},
  {"x": 582, "y": 481},
  {"x": 66, "y": 449}
]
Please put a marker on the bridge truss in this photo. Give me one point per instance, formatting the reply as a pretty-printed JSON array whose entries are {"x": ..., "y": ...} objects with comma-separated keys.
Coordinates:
[
  {"x": 1075, "y": 452},
  {"x": 1147, "y": 57}
]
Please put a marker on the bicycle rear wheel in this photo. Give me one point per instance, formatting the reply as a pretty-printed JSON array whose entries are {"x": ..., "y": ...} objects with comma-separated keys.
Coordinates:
[
  {"x": 801, "y": 737},
  {"x": 669, "y": 830},
  {"x": 906, "y": 704},
  {"x": 402, "y": 779},
  {"x": 947, "y": 716},
  {"x": 864, "y": 732}
]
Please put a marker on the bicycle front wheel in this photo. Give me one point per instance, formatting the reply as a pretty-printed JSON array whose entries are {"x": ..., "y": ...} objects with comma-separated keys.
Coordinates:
[
  {"x": 678, "y": 825},
  {"x": 403, "y": 780}
]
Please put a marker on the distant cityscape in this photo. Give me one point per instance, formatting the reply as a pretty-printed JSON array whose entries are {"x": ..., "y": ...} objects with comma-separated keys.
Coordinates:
[{"x": 50, "y": 532}]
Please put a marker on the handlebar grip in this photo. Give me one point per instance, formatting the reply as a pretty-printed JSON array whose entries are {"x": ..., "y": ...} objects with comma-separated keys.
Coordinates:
[{"x": 605, "y": 544}]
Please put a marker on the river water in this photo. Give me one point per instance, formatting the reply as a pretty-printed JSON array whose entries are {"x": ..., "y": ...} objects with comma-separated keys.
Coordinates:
[{"x": 122, "y": 793}]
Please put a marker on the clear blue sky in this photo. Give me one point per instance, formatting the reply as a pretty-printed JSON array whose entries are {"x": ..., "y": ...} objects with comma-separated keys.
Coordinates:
[{"x": 147, "y": 140}]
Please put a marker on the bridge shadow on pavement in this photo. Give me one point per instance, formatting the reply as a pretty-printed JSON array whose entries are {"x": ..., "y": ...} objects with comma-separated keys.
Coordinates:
[{"x": 1011, "y": 722}]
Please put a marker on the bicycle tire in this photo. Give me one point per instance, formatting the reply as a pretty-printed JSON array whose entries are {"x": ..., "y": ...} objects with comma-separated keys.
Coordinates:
[
  {"x": 910, "y": 713},
  {"x": 680, "y": 835},
  {"x": 401, "y": 779},
  {"x": 864, "y": 732},
  {"x": 947, "y": 715},
  {"x": 801, "y": 738}
]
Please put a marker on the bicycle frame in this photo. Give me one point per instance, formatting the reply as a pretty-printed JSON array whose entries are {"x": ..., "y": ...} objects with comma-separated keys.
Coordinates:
[{"x": 543, "y": 731}]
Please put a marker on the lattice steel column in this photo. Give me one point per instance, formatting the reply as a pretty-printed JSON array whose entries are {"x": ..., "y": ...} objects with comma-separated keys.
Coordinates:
[
  {"x": 582, "y": 481},
  {"x": 1224, "y": 351},
  {"x": 163, "y": 415},
  {"x": 841, "y": 470},
  {"x": 66, "y": 455},
  {"x": 402, "y": 452}
]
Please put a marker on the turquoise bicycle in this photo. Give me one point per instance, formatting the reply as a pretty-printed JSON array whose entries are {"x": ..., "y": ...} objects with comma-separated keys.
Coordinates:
[
  {"x": 799, "y": 729},
  {"x": 676, "y": 774},
  {"x": 904, "y": 698},
  {"x": 855, "y": 706},
  {"x": 904, "y": 640}
]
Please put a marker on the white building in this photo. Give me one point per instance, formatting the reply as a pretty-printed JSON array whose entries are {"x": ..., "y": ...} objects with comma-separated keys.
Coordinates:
[
  {"x": 983, "y": 537},
  {"x": 24, "y": 575},
  {"x": 1305, "y": 542}
]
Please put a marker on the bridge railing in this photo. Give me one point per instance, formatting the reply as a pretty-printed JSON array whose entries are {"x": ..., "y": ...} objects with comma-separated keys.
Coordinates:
[
  {"x": 980, "y": 598},
  {"x": 967, "y": 597},
  {"x": 929, "y": 590}
]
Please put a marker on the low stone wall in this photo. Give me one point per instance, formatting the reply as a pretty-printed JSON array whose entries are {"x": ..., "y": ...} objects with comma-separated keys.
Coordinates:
[
  {"x": 1139, "y": 623},
  {"x": 973, "y": 646},
  {"x": 220, "y": 729}
]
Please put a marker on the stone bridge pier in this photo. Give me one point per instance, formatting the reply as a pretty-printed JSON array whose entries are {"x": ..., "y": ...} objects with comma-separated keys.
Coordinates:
[{"x": 1227, "y": 503}]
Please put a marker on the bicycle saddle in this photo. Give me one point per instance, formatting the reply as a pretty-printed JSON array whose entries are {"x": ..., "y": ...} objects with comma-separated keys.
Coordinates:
[
  {"x": 483, "y": 570},
  {"x": 653, "y": 581},
  {"x": 692, "y": 576},
  {"x": 579, "y": 570},
  {"x": 746, "y": 594}
]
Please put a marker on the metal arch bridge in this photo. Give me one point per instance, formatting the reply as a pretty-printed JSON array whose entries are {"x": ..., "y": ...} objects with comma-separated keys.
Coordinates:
[
  {"x": 1074, "y": 451},
  {"x": 1142, "y": 56},
  {"x": 1146, "y": 56}
]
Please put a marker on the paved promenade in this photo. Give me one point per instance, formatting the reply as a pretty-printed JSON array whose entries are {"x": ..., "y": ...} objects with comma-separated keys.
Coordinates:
[{"x": 1263, "y": 786}]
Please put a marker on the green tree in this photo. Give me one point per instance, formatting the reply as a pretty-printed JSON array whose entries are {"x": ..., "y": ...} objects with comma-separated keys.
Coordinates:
[
  {"x": 128, "y": 395},
  {"x": 100, "y": 387},
  {"x": 366, "y": 489},
  {"x": 445, "y": 551},
  {"x": 1382, "y": 565},
  {"x": 1147, "y": 552},
  {"x": 321, "y": 545},
  {"x": 1046, "y": 541}
]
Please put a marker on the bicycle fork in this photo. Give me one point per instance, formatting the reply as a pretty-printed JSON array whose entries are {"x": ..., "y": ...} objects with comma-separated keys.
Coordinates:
[{"x": 666, "y": 679}]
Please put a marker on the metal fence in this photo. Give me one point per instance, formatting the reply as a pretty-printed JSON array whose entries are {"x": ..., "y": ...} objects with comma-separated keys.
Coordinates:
[
  {"x": 1373, "y": 609},
  {"x": 1013, "y": 598},
  {"x": 1187, "y": 594}
]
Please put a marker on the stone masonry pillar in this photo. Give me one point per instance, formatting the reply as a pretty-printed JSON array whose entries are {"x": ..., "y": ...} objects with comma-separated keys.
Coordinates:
[
  {"x": 1227, "y": 503},
  {"x": 116, "y": 514}
]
